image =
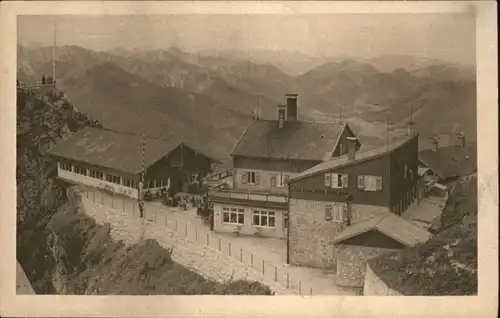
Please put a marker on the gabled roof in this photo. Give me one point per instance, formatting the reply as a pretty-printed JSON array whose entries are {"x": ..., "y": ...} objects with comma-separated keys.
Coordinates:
[
  {"x": 298, "y": 140},
  {"x": 344, "y": 161},
  {"x": 113, "y": 150},
  {"x": 390, "y": 224},
  {"x": 451, "y": 161}
]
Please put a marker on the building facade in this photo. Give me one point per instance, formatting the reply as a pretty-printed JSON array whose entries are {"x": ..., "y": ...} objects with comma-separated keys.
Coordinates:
[
  {"x": 343, "y": 191},
  {"x": 116, "y": 162},
  {"x": 268, "y": 154}
]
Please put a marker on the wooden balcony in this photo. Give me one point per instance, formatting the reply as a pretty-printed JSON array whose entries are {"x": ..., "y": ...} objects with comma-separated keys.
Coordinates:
[{"x": 248, "y": 198}]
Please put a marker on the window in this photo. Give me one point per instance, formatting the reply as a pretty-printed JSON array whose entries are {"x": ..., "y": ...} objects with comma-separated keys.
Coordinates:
[
  {"x": 263, "y": 218},
  {"x": 113, "y": 179},
  {"x": 66, "y": 166},
  {"x": 279, "y": 180},
  {"x": 96, "y": 174},
  {"x": 370, "y": 183},
  {"x": 285, "y": 222},
  {"x": 81, "y": 170},
  {"x": 233, "y": 216},
  {"x": 334, "y": 212},
  {"x": 130, "y": 183},
  {"x": 336, "y": 180},
  {"x": 250, "y": 177}
]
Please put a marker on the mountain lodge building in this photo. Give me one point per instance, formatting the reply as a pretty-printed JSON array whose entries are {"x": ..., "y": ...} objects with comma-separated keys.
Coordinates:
[
  {"x": 267, "y": 155},
  {"x": 336, "y": 194},
  {"x": 111, "y": 160}
]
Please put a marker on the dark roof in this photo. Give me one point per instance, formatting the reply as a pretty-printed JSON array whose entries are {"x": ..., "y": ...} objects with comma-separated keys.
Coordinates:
[
  {"x": 114, "y": 150},
  {"x": 343, "y": 161},
  {"x": 295, "y": 140},
  {"x": 451, "y": 161},
  {"x": 390, "y": 224}
]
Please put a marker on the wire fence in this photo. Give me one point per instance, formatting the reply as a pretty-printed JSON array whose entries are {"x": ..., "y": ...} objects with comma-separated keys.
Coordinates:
[{"x": 193, "y": 230}]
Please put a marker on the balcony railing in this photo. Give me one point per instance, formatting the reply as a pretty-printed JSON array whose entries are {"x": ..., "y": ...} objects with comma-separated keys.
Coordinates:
[{"x": 250, "y": 196}]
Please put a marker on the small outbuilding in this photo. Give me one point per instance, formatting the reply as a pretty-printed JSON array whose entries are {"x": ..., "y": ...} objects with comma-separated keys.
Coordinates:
[{"x": 370, "y": 238}]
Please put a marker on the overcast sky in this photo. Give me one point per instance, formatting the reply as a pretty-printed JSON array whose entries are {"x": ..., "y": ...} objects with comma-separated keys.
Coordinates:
[{"x": 445, "y": 36}]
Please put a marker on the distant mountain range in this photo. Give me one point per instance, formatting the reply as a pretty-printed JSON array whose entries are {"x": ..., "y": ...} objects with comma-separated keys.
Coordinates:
[{"x": 209, "y": 97}]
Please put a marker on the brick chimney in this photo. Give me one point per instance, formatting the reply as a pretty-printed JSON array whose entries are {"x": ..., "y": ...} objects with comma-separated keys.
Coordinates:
[
  {"x": 292, "y": 111},
  {"x": 435, "y": 141},
  {"x": 351, "y": 148},
  {"x": 281, "y": 115},
  {"x": 461, "y": 138}
]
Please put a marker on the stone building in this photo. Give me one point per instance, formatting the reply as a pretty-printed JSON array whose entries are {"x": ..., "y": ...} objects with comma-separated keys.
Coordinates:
[
  {"x": 370, "y": 238},
  {"x": 267, "y": 155},
  {"x": 346, "y": 190}
]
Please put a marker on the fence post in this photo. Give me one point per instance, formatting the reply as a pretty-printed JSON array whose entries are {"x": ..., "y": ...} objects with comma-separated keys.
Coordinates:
[
  {"x": 154, "y": 219},
  {"x": 251, "y": 259},
  {"x": 229, "y": 248},
  {"x": 123, "y": 206},
  {"x": 300, "y": 287},
  {"x": 241, "y": 254},
  {"x": 176, "y": 225},
  {"x": 93, "y": 192},
  {"x": 219, "y": 245},
  {"x": 196, "y": 234},
  {"x": 287, "y": 280},
  {"x": 112, "y": 203},
  {"x": 186, "y": 227},
  {"x": 311, "y": 291},
  {"x": 263, "y": 266},
  {"x": 102, "y": 199},
  {"x": 166, "y": 221},
  {"x": 208, "y": 240},
  {"x": 275, "y": 273}
]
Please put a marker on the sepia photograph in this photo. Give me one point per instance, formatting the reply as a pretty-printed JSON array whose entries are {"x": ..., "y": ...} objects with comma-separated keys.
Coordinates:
[{"x": 306, "y": 154}]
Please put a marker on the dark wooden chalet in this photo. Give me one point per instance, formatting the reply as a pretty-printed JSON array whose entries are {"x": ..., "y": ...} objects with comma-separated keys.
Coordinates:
[{"x": 114, "y": 160}]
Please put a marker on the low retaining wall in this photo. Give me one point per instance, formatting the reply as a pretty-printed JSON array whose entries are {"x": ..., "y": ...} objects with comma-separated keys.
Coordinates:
[
  {"x": 374, "y": 286},
  {"x": 204, "y": 260}
]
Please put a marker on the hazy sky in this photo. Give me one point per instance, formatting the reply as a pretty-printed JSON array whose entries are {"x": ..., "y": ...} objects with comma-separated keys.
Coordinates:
[{"x": 445, "y": 36}]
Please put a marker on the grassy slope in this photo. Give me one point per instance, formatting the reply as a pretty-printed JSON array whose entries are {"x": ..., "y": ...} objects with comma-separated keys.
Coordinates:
[{"x": 445, "y": 265}]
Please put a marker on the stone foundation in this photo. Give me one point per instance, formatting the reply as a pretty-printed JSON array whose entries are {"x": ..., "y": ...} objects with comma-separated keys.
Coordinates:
[{"x": 374, "y": 286}]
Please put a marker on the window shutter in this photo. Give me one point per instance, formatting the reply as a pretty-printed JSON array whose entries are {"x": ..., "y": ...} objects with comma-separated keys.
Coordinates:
[
  {"x": 378, "y": 183},
  {"x": 273, "y": 181},
  {"x": 361, "y": 183},
  {"x": 345, "y": 180},
  {"x": 327, "y": 180},
  {"x": 257, "y": 178},
  {"x": 244, "y": 177}
]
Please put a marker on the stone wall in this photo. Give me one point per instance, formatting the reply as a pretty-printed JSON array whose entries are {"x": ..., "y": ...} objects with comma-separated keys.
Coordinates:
[
  {"x": 204, "y": 260},
  {"x": 311, "y": 234},
  {"x": 374, "y": 286},
  {"x": 352, "y": 262}
]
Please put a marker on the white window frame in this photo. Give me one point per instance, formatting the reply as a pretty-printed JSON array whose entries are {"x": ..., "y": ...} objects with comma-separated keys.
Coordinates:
[
  {"x": 66, "y": 166},
  {"x": 369, "y": 183},
  {"x": 334, "y": 212},
  {"x": 264, "y": 215},
  {"x": 281, "y": 180},
  {"x": 337, "y": 180},
  {"x": 233, "y": 211},
  {"x": 113, "y": 179},
  {"x": 250, "y": 177},
  {"x": 80, "y": 170}
]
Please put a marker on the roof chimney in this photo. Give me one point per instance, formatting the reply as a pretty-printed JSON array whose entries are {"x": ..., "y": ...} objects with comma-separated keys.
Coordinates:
[
  {"x": 292, "y": 106},
  {"x": 281, "y": 115},
  {"x": 461, "y": 138},
  {"x": 351, "y": 148},
  {"x": 435, "y": 141}
]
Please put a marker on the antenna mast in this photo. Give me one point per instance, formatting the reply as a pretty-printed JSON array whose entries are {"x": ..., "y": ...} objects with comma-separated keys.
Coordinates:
[
  {"x": 388, "y": 129},
  {"x": 340, "y": 116},
  {"x": 140, "y": 195},
  {"x": 54, "y": 53}
]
